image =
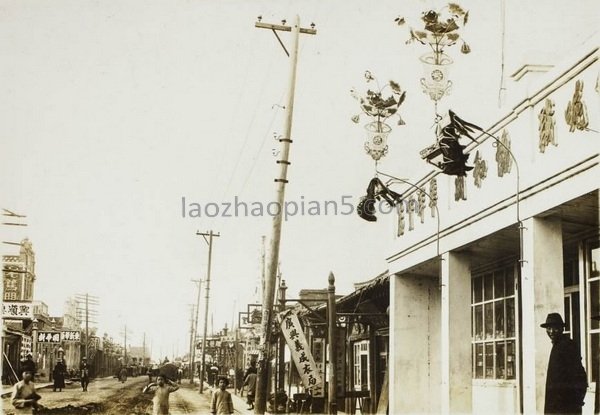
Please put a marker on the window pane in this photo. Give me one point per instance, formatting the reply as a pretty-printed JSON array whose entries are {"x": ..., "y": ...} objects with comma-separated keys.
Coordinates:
[
  {"x": 499, "y": 318},
  {"x": 510, "y": 281},
  {"x": 478, "y": 322},
  {"x": 488, "y": 286},
  {"x": 489, "y": 360},
  {"x": 489, "y": 320},
  {"x": 499, "y": 284},
  {"x": 510, "y": 359},
  {"x": 510, "y": 317},
  {"x": 595, "y": 339},
  {"x": 594, "y": 302},
  {"x": 567, "y": 305},
  {"x": 479, "y": 361},
  {"x": 477, "y": 290},
  {"x": 500, "y": 373}
]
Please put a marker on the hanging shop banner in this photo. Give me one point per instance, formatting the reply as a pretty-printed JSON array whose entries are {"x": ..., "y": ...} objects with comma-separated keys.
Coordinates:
[
  {"x": 16, "y": 310},
  {"x": 70, "y": 336},
  {"x": 48, "y": 337},
  {"x": 300, "y": 351}
]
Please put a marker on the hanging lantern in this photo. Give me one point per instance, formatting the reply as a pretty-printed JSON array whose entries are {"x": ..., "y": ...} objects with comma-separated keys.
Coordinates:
[
  {"x": 377, "y": 134},
  {"x": 435, "y": 82}
]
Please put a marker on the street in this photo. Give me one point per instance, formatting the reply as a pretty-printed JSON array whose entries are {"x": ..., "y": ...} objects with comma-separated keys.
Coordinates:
[{"x": 108, "y": 396}]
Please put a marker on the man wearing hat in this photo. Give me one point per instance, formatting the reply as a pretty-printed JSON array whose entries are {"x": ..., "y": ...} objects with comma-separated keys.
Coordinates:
[
  {"x": 566, "y": 381},
  {"x": 85, "y": 373}
]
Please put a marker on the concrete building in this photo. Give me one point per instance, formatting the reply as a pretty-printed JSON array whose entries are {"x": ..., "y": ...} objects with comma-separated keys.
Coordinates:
[{"x": 465, "y": 332}]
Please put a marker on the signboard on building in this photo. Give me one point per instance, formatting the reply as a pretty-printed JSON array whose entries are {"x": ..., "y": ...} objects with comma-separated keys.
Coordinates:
[
  {"x": 17, "y": 310},
  {"x": 48, "y": 337},
  {"x": 300, "y": 351},
  {"x": 25, "y": 345},
  {"x": 70, "y": 335}
]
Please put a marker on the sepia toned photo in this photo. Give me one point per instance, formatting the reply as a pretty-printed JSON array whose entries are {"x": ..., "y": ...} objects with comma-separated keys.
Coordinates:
[{"x": 300, "y": 207}]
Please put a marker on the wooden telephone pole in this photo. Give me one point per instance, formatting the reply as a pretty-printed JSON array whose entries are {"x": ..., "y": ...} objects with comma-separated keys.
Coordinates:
[
  {"x": 210, "y": 243},
  {"x": 270, "y": 280}
]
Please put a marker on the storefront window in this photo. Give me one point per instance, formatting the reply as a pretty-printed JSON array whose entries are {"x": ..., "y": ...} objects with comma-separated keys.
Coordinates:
[
  {"x": 593, "y": 280},
  {"x": 493, "y": 322}
]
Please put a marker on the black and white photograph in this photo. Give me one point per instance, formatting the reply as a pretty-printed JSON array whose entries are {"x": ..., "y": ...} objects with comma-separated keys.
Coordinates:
[{"x": 300, "y": 206}]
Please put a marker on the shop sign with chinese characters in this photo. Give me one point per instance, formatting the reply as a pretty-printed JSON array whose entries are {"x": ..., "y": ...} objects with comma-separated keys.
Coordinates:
[
  {"x": 300, "y": 351},
  {"x": 70, "y": 336},
  {"x": 16, "y": 310},
  {"x": 48, "y": 337}
]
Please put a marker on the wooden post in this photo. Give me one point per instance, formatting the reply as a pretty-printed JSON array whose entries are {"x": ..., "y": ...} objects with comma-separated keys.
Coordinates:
[{"x": 331, "y": 329}]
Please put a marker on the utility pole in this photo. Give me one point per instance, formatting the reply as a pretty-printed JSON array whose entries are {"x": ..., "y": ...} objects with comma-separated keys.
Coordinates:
[
  {"x": 144, "y": 350},
  {"x": 210, "y": 243},
  {"x": 331, "y": 331},
  {"x": 192, "y": 344},
  {"x": 85, "y": 310},
  {"x": 195, "y": 330},
  {"x": 270, "y": 280}
]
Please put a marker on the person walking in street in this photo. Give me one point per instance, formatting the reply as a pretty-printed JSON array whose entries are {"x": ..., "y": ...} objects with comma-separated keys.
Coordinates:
[
  {"x": 59, "y": 376},
  {"x": 162, "y": 389},
  {"x": 250, "y": 382},
  {"x": 221, "y": 402},
  {"x": 24, "y": 396},
  {"x": 28, "y": 364},
  {"x": 123, "y": 374},
  {"x": 566, "y": 380},
  {"x": 84, "y": 373}
]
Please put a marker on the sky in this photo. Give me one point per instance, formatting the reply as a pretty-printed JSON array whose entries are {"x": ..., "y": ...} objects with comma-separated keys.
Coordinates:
[{"x": 117, "y": 117}]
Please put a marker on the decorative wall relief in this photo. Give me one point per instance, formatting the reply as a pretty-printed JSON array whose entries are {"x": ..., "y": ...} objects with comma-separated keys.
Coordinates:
[
  {"x": 433, "y": 197},
  {"x": 480, "y": 170},
  {"x": 401, "y": 221},
  {"x": 421, "y": 206},
  {"x": 503, "y": 154},
  {"x": 411, "y": 213},
  {"x": 546, "y": 127},
  {"x": 460, "y": 188},
  {"x": 576, "y": 112}
]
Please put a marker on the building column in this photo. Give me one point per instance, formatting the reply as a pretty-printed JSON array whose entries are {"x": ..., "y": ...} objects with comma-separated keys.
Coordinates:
[
  {"x": 414, "y": 341},
  {"x": 542, "y": 292},
  {"x": 456, "y": 348}
]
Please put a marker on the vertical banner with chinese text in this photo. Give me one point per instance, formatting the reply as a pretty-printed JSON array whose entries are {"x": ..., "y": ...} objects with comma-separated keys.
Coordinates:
[{"x": 300, "y": 351}]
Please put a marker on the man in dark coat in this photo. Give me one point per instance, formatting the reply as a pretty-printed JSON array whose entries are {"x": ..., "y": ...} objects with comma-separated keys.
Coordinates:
[{"x": 566, "y": 381}]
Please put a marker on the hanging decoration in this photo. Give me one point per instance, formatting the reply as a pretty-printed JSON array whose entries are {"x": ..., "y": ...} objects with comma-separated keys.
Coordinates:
[
  {"x": 546, "y": 126},
  {"x": 441, "y": 29},
  {"x": 379, "y": 108},
  {"x": 447, "y": 153},
  {"x": 576, "y": 112},
  {"x": 421, "y": 205},
  {"x": 376, "y": 191}
]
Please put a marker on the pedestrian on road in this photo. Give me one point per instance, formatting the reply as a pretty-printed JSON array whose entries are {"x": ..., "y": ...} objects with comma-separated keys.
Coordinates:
[
  {"x": 28, "y": 364},
  {"x": 250, "y": 381},
  {"x": 566, "y": 381},
  {"x": 59, "y": 376},
  {"x": 24, "y": 396},
  {"x": 162, "y": 388},
  {"x": 84, "y": 373},
  {"x": 221, "y": 402},
  {"x": 123, "y": 374}
]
